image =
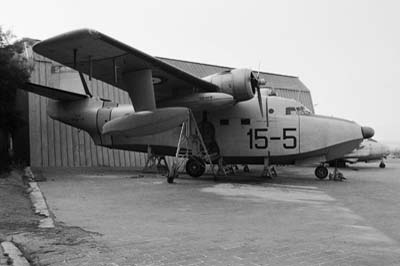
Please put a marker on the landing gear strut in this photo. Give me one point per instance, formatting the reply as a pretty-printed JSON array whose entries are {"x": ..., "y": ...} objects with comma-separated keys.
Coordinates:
[
  {"x": 173, "y": 173},
  {"x": 269, "y": 171},
  {"x": 155, "y": 163},
  {"x": 321, "y": 172}
]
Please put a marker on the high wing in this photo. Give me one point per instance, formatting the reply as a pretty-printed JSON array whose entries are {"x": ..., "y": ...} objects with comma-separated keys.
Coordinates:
[{"x": 108, "y": 60}]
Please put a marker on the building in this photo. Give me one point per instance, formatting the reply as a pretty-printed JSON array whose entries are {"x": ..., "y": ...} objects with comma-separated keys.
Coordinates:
[{"x": 54, "y": 144}]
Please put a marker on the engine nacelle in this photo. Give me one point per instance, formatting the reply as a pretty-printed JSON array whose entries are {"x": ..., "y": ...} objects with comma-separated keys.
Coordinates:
[{"x": 236, "y": 82}]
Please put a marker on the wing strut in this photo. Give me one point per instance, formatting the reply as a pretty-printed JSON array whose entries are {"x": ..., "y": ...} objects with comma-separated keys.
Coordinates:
[
  {"x": 115, "y": 69},
  {"x": 75, "y": 55},
  {"x": 140, "y": 88},
  {"x": 85, "y": 86}
]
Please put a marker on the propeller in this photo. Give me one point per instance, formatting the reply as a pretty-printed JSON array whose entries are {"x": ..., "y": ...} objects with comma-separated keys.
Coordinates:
[{"x": 255, "y": 83}]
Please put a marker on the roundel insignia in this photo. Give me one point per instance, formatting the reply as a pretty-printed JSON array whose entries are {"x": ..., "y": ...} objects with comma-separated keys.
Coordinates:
[{"x": 157, "y": 80}]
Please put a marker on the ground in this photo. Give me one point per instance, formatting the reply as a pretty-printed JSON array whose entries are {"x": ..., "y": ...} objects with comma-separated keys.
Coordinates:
[{"x": 115, "y": 217}]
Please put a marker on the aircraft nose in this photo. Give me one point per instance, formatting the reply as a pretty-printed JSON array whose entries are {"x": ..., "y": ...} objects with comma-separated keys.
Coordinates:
[{"x": 367, "y": 132}]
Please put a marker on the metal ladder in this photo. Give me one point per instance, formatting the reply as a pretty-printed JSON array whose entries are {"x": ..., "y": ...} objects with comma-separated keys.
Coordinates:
[{"x": 190, "y": 143}]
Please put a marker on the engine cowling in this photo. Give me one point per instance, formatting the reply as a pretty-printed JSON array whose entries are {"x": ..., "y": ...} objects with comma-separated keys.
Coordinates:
[{"x": 236, "y": 82}]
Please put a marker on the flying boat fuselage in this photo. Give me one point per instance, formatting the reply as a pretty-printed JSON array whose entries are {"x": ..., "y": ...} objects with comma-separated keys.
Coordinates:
[{"x": 287, "y": 133}]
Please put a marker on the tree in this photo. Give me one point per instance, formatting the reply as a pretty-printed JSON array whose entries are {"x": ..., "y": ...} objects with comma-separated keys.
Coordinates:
[{"x": 14, "y": 73}]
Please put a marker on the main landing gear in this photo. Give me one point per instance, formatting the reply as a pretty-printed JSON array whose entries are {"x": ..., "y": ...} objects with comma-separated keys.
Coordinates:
[
  {"x": 191, "y": 147},
  {"x": 195, "y": 166},
  {"x": 321, "y": 172},
  {"x": 382, "y": 164}
]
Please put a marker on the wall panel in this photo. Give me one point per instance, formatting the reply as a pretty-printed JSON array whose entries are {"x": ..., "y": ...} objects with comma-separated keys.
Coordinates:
[{"x": 54, "y": 144}]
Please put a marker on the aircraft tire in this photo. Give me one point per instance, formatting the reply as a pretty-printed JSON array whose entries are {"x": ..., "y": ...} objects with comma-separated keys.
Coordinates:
[
  {"x": 382, "y": 165},
  {"x": 246, "y": 169},
  {"x": 195, "y": 166},
  {"x": 170, "y": 180},
  {"x": 321, "y": 172}
]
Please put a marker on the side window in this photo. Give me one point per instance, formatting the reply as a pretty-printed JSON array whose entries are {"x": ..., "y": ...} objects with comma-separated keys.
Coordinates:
[
  {"x": 224, "y": 122},
  {"x": 290, "y": 110},
  {"x": 245, "y": 121}
]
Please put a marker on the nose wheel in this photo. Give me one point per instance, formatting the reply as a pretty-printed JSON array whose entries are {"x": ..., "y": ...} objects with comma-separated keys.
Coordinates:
[
  {"x": 382, "y": 165},
  {"x": 321, "y": 172}
]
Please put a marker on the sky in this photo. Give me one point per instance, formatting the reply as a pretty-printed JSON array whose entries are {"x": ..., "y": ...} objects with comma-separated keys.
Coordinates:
[{"x": 346, "y": 52}]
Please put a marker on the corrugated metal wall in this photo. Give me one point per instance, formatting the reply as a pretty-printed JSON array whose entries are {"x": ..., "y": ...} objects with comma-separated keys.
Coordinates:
[{"x": 54, "y": 144}]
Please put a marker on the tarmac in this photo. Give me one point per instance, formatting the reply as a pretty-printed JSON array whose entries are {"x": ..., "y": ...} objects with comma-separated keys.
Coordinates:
[{"x": 108, "y": 216}]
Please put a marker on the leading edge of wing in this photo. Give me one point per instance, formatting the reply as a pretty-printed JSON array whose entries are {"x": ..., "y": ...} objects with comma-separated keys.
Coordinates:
[{"x": 60, "y": 48}]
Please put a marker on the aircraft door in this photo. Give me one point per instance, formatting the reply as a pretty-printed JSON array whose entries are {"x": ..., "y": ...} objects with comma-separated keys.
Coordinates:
[
  {"x": 207, "y": 131},
  {"x": 103, "y": 116}
]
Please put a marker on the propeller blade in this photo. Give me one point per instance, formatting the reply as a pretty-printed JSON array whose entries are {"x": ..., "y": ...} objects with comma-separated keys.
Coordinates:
[
  {"x": 260, "y": 100},
  {"x": 255, "y": 83}
]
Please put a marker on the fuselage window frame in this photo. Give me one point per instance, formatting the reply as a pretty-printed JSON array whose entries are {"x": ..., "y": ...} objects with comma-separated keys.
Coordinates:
[
  {"x": 245, "y": 121},
  {"x": 289, "y": 110},
  {"x": 224, "y": 122}
]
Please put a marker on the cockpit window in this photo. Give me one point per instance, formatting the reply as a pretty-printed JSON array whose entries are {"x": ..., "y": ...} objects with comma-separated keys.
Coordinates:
[
  {"x": 290, "y": 110},
  {"x": 300, "y": 110}
]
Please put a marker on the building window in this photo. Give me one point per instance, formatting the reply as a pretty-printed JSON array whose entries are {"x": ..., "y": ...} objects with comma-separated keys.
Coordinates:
[
  {"x": 224, "y": 122},
  {"x": 245, "y": 121}
]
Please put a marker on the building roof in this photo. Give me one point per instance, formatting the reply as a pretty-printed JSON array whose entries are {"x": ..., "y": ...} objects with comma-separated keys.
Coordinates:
[{"x": 276, "y": 81}]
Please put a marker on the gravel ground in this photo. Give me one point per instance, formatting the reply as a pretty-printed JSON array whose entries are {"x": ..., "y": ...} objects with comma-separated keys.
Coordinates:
[{"x": 19, "y": 224}]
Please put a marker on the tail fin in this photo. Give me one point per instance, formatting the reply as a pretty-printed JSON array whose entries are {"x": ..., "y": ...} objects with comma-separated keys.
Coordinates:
[{"x": 54, "y": 93}]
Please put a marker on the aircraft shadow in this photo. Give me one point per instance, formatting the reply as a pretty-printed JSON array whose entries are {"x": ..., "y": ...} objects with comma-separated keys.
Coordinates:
[{"x": 256, "y": 179}]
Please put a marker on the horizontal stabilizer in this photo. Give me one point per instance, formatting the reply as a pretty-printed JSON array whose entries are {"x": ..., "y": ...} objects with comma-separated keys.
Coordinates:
[
  {"x": 146, "y": 122},
  {"x": 54, "y": 93}
]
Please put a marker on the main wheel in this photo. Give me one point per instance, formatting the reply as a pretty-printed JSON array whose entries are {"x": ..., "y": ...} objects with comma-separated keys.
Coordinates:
[
  {"x": 321, "y": 172},
  {"x": 382, "y": 165},
  {"x": 195, "y": 166}
]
